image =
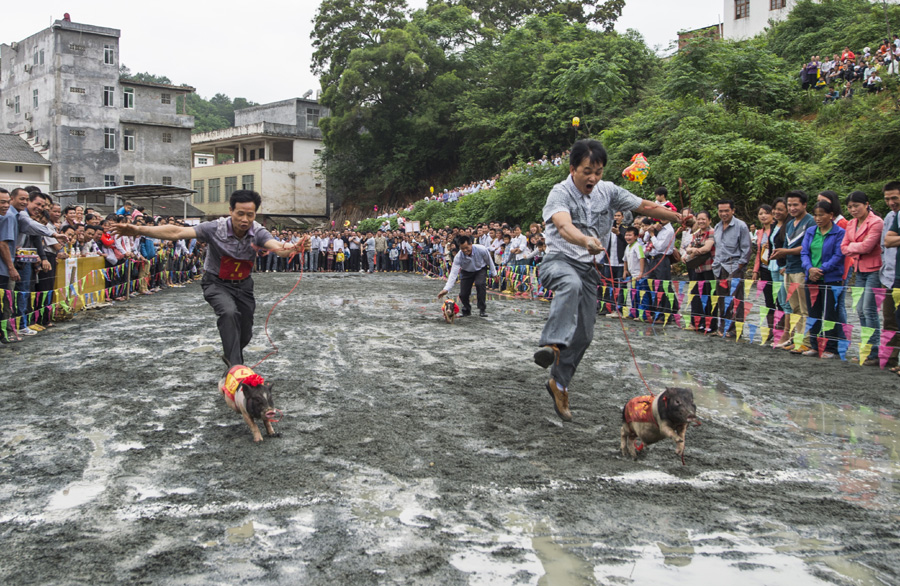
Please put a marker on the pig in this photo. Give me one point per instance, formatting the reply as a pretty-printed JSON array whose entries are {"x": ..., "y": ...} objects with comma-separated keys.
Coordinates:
[
  {"x": 450, "y": 309},
  {"x": 649, "y": 419},
  {"x": 248, "y": 394}
]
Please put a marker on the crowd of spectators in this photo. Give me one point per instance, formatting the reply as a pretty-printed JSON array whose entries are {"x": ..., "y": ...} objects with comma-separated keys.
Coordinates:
[
  {"x": 805, "y": 267},
  {"x": 36, "y": 234},
  {"x": 841, "y": 75}
]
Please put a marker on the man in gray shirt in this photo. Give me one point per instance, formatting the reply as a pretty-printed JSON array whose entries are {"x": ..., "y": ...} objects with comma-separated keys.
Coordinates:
[
  {"x": 471, "y": 263},
  {"x": 226, "y": 284},
  {"x": 732, "y": 253},
  {"x": 579, "y": 216},
  {"x": 888, "y": 268}
]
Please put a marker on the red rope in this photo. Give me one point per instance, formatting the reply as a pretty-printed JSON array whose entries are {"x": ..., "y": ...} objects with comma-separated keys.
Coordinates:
[{"x": 274, "y": 347}]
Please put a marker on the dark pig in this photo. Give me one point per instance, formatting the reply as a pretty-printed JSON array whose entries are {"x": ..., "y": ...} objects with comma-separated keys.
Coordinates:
[
  {"x": 248, "y": 394},
  {"x": 450, "y": 309},
  {"x": 649, "y": 419}
]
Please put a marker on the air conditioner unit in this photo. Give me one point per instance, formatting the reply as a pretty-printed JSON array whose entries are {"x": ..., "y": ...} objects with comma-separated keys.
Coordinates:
[
  {"x": 27, "y": 115},
  {"x": 14, "y": 46},
  {"x": 28, "y": 69},
  {"x": 9, "y": 103}
]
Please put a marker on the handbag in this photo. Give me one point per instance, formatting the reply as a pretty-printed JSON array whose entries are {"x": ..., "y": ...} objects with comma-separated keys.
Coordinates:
[{"x": 695, "y": 261}]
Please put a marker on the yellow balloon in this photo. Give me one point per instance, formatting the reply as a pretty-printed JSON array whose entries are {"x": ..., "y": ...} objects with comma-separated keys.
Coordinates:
[
  {"x": 432, "y": 189},
  {"x": 576, "y": 122},
  {"x": 346, "y": 223}
]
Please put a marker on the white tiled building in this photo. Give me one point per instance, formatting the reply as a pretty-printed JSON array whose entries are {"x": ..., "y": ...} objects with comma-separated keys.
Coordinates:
[{"x": 744, "y": 19}]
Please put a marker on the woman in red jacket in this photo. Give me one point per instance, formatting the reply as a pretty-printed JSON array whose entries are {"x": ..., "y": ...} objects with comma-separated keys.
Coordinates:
[{"x": 862, "y": 246}]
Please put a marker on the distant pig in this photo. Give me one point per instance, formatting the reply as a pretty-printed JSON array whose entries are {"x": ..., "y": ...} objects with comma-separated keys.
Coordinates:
[
  {"x": 250, "y": 395},
  {"x": 649, "y": 418}
]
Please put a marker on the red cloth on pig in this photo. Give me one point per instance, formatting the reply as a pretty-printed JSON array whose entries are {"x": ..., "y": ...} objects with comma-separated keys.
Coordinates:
[
  {"x": 237, "y": 375},
  {"x": 640, "y": 410}
]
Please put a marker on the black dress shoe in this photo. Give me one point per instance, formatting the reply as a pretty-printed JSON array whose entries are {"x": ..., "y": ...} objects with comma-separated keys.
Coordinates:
[
  {"x": 465, "y": 313},
  {"x": 482, "y": 313}
]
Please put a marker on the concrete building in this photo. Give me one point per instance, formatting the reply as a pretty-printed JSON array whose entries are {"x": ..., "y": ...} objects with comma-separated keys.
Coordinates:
[
  {"x": 273, "y": 149},
  {"x": 747, "y": 18},
  {"x": 713, "y": 31},
  {"x": 60, "y": 88},
  {"x": 20, "y": 165}
]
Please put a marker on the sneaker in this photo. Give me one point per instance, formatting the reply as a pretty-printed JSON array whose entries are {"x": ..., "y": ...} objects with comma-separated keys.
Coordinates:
[
  {"x": 828, "y": 355},
  {"x": 812, "y": 352},
  {"x": 560, "y": 399},
  {"x": 546, "y": 356},
  {"x": 801, "y": 350},
  {"x": 27, "y": 332}
]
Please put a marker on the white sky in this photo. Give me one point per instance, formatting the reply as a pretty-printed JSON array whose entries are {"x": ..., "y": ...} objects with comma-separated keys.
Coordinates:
[{"x": 261, "y": 50}]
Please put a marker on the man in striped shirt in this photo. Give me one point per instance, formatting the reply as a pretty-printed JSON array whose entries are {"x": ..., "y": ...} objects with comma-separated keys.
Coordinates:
[{"x": 579, "y": 215}]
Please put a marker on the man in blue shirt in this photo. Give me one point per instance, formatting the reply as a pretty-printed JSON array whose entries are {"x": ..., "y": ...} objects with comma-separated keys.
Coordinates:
[
  {"x": 471, "y": 264},
  {"x": 794, "y": 276}
]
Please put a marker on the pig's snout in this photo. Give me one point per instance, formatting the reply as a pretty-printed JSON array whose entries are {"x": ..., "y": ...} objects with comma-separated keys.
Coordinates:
[{"x": 274, "y": 415}]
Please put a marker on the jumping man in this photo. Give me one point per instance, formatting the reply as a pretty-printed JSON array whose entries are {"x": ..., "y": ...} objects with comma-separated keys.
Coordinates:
[
  {"x": 579, "y": 215},
  {"x": 230, "y": 255}
]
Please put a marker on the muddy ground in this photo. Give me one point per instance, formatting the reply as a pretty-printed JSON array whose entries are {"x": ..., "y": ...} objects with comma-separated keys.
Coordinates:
[{"x": 416, "y": 452}]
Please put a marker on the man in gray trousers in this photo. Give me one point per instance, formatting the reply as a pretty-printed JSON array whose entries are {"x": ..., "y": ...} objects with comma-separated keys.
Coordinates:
[{"x": 579, "y": 215}]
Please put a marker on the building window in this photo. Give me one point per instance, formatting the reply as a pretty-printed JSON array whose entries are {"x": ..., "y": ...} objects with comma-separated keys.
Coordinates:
[
  {"x": 167, "y": 180},
  {"x": 109, "y": 95},
  {"x": 198, "y": 187},
  {"x": 202, "y": 161},
  {"x": 777, "y": 4},
  {"x": 109, "y": 181},
  {"x": 213, "y": 190},
  {"x": 317, "y": 151},
  {"x": 230, "y": 186},
  {"x": 128, "y": 140},
  {"x": 128, "y": 180},
  {"x": 109, "y": 139},
  {"x": 76, "y": 179},
  {"x": 109, "y": 54},
  {"x": 17, "y": 104},
  {"x": 318, "y": 185},
  {"x": 35, "y": 95},
  {"x": 20, "y": 169},
  {"x": 167, "y": 137},
  {"x": 129, "y": 97},
  {"x": 312, "y": 117},
  {"x": 247, "y": 182},
  {"x": 76, "y": 132},
  {"x": 741, "y": 9},
  {"x": 35, "y": 57},
  {"x": 165, "y": 98},
  {"x": 42, "y": 56}
]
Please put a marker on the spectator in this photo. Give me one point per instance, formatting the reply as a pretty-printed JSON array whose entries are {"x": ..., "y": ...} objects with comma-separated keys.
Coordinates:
[
  {"x": 794, "y": 275},
  {"x": 634, "y": 272},
  {"x": 860, "y": 245},
  {"x": 732, "y": 254},
  {"x": 889, "y": 273},
  {"x": 823, "y": 264},
  {"x": 701, "y": 252},
  {"x": 761, "y": 264},
  {"x": 777, "y": 265}
]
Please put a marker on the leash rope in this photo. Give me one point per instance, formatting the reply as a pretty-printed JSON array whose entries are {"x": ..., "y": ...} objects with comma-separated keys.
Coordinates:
[{"x": 274, "y": 347}]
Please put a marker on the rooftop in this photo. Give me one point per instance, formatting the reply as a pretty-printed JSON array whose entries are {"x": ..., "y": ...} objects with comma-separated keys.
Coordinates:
[
  {"x": 182, "y": 88},
  {"x": 14, "y": 149}
]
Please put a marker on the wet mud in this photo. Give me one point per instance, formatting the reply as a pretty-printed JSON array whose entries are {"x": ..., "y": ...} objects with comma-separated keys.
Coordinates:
[{"x": 417, "y": 452}]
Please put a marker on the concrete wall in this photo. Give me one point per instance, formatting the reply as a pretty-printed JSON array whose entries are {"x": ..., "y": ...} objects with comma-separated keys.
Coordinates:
[
  {"x": 71, "y": 116},
  {"x": 291, "y": 112},
  {"x": 31, "y": 174},
  {"x": 220, "y": 172},
  {"x": 755, "y": 23}
]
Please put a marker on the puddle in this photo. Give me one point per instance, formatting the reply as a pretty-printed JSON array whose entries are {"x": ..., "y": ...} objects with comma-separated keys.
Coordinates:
[
  {"x": 239, "y": 534},
  {"x": 200, "y": 349},
  {"x": 93, "y": 481},
  {"x": 854, "y": 447}
]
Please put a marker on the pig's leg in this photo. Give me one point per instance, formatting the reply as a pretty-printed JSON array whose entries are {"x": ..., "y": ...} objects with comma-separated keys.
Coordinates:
[
  {"x": 257, "y": 437},
  {"x": 269, "y": 429},
  {"x": 678, "y": 438}
]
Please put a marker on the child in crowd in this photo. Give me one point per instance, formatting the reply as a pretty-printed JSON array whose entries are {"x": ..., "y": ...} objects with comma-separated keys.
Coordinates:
[{"x": 633, "y": 273}]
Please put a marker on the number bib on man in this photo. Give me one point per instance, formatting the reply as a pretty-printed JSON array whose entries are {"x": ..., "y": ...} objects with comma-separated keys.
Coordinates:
[{"x": 232, "y": 269}]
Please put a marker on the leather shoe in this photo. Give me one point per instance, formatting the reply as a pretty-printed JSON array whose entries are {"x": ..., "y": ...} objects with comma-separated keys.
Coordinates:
[
  {"x": 546, "y": 356},
  {"x": 560, "y": 400},
  {"x": 465, "y": 313},
  {"x": 482, "y": 313}
]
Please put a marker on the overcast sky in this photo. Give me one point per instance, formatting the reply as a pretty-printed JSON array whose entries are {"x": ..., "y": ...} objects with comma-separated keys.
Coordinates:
[{"x": 261, "y": 50}]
